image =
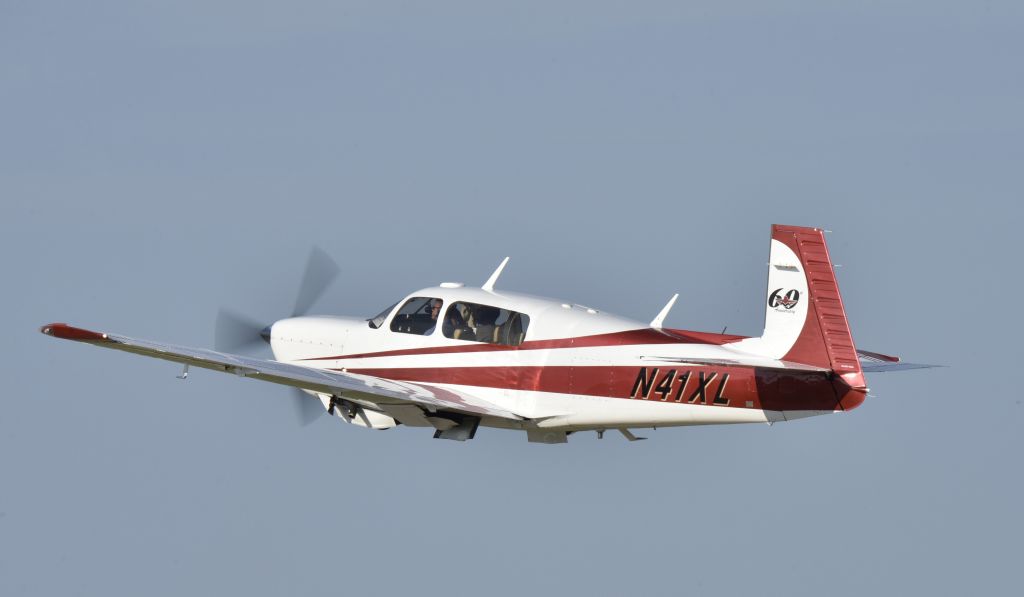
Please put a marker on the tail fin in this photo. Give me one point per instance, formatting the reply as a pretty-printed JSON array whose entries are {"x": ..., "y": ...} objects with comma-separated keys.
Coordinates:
[{"x": 804, "y": 317}]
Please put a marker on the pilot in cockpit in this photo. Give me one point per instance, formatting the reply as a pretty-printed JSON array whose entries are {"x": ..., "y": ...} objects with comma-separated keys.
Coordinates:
[{"x": 435, "y": 312}]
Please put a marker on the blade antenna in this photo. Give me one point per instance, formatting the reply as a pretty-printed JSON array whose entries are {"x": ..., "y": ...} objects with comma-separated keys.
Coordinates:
[
  {"x": 660, "y": 319},
  {"x": 489, "y": 284}
]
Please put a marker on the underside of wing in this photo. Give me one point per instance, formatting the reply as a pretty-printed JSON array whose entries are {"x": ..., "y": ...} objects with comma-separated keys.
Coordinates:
[{"x": 390, "y": 396}]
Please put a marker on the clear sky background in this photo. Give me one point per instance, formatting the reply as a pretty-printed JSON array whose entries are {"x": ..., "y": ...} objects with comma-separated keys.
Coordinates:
[{"x": 161, "y": 160}]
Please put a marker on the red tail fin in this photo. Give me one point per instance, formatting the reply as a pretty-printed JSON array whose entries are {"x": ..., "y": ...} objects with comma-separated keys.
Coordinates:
[
  {"x": 804, "y": 317},
  {"x": 825, "y": 340}
]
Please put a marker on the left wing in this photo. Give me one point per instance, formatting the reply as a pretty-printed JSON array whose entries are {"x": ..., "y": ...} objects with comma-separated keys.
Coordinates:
[{"x": 385, "y": 393}]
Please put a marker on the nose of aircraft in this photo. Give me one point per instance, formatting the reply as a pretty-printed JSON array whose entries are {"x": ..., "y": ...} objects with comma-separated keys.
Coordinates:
[{"x": 265, "y": 333}]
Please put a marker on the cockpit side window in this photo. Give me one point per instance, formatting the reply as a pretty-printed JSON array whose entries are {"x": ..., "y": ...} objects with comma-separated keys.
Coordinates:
[
  {"x": 417, "y": 316},
  {"x": 376, "y": 322},
  {"x": 483, "y": 323}
]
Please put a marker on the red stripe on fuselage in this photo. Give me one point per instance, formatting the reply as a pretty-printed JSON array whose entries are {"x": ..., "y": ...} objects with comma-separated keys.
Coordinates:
[
  {"x": 631, "y": 337},
  {"x": 747, "y": 387}
]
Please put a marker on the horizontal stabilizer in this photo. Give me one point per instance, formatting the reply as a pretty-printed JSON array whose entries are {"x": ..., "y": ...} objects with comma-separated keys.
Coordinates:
[
  {"x": 877, "y": 362},
  {"x": 882, "y": 367}
]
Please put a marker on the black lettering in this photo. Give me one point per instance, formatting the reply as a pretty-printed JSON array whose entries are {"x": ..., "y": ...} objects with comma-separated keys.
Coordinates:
[
  {"x": 719, "y": 397},
  {"x": 643, "y": 383},
  {"x": 702, "y": 386},
  {"x": 683, "y": 379},
  {"x": 666, "y": 385}
]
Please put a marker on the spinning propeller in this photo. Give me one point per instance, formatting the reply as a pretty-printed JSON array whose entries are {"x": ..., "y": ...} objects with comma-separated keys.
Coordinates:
[{"x": 237, "y": 333}]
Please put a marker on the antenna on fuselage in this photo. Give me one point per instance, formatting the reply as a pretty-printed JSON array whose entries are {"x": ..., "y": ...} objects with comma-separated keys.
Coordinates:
[
  {"x": 489, "y": 284},
  {"x": 660, "y": 319}
]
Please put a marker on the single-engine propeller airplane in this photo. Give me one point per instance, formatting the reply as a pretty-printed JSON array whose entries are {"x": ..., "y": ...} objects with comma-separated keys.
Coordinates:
[{"x": 452, "y": 358}]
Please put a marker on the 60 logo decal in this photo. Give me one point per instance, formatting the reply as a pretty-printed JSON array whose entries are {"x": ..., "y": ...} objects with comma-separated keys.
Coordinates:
[{"x": 779, "y": 301}]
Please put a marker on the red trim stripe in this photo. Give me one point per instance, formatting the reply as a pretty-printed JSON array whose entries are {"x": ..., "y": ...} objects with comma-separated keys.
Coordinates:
[{"x": 631, "y": 337}]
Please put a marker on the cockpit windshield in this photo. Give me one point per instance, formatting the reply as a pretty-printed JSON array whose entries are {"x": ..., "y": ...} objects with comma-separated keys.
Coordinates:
[
  {"x": 417, "y": 316},
  {"x": 376, "y": 322}
]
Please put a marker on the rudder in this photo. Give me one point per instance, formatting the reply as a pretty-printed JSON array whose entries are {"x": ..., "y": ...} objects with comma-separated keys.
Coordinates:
[{"x": 805, "y": 321}]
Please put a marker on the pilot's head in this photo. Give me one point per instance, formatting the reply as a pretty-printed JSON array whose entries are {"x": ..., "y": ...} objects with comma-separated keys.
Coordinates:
[{"x": 435, "y": 308}]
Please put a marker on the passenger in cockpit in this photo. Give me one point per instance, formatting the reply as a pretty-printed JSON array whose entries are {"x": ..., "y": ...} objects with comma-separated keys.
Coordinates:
[
  {"x": 485, "y": 317},
  {"x": 455, "y": 325}
]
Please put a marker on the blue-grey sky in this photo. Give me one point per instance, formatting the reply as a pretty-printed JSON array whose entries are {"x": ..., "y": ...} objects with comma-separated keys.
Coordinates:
[{"x": 161, "y": 160}]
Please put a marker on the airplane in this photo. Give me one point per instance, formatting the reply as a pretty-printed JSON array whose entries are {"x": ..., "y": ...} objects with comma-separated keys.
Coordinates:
[{"x": 452, "y": 358}]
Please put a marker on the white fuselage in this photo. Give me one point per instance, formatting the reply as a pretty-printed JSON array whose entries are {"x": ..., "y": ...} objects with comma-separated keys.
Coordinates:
[{"x": 557, "y": 376}]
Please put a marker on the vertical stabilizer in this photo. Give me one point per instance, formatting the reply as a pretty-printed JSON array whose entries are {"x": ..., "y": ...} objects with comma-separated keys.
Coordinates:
[{"x": 804, "y": 317}]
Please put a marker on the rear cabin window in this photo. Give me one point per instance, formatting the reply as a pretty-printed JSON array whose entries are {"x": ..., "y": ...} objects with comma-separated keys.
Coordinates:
[
  {"x": 483, "y": 323},
  {"x": 417, "y": 316}
]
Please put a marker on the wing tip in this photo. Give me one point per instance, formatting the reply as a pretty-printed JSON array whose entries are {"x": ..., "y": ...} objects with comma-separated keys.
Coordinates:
[{"x": 68, "y": 332}]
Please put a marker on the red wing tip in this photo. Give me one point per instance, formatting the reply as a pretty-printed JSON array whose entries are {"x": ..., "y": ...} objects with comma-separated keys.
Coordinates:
[{"x": 67, "y": 332}]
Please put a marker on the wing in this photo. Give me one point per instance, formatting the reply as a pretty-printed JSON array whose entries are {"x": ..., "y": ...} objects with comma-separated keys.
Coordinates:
[
  {"x": 388, "y": 394},
  {"x": 876, "y": 362}
]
